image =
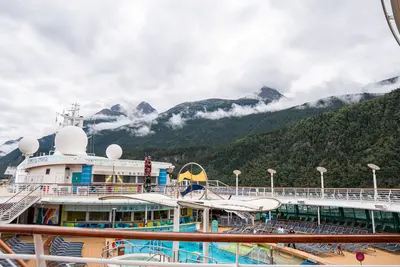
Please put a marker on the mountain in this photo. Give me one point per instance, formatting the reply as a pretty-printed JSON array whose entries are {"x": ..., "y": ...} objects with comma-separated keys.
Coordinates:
[
  {"x": 9, "y": 146},
  {"x": 190, "y": 109},
  {"x": 343, "y": 141},
  {"x": 145, "y": 108},
  {"x": 270, "y": 94},
  {"x": 208, "y": 123},
  {"x": 118, "y": 108}
]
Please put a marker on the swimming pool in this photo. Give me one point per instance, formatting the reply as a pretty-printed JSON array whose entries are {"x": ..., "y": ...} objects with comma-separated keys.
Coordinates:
[{"x": 190, "y": 252}]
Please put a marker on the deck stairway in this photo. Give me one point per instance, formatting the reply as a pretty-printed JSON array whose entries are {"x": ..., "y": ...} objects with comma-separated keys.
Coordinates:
[{"x": 18, "y": 203}]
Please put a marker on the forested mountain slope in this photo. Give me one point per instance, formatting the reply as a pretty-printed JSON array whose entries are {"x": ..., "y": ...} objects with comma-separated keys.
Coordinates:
[{"x": 343, "y": 141}]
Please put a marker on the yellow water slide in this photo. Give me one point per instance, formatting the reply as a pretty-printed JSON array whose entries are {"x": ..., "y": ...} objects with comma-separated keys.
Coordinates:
[{"x": 201, "y": 177}]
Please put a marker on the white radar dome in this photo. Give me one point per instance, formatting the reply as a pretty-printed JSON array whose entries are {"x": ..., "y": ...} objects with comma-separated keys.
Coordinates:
[
  {"x": 28, "y": 145},
  {"x": 114, "y": 151},
  {"x": 71, "y": 140}
]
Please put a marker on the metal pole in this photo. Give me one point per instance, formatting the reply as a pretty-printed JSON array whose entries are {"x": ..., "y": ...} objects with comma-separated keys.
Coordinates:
[
  {"x": 322, "y": 185},
  {"x": 206, "y": 215},
  {"x": 375, "y": 186},
  {"x": 39, "y": 251},
  {"x": 272, "y": 184},
  {"x": 373, "y": 221},
  {"x": 237, "y": 184},
  {"x": 175, "y": 244},
  {"x": 319, "y": 215},
  {"x": 113, "y": 217},
  {"x": 145, "y": 216},
  {"x": 113, "y": 179}
]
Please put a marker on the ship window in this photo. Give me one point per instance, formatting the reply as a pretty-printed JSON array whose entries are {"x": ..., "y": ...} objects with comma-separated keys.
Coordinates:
[
  {"x": 47, "y": 171},
  {"x": 157, "y": 215},
  {"x": 129, "y": 179},
  {"x": 99, "y": 216},
  {"x": 99, "y": 178},
  {"x": 123, "y": 216},
  {"x": 163, "y": 214},
  {"x": 76, "y": 215},
  {"x": 138, "y": 216},
  {"x": 184, "y": 212}
]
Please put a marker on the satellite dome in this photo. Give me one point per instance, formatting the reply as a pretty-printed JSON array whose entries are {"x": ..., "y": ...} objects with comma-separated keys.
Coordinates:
[
  {"x": 114, "y": 151},
  {"x": 28, "y": 145},
  {"x": 71, "y": 140}
]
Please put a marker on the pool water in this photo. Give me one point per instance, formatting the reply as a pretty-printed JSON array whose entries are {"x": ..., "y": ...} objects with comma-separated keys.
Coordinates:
[{"x": 191, "y": 252}]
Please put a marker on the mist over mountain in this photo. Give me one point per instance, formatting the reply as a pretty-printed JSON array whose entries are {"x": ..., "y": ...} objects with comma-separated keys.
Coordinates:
[{"x": 207, "y": 123}]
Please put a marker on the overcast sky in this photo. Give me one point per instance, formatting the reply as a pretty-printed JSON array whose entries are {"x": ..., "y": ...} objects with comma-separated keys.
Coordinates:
[{"x": 98, "y": 53}]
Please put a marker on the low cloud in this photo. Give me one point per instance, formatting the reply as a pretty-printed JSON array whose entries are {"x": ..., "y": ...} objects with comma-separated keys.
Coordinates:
[
  {"x": 143, "y": 131},
  {"x": 176, "y": 121},
  {"x": 104, "y": 117},
  {"x": 139, "y": 126}
]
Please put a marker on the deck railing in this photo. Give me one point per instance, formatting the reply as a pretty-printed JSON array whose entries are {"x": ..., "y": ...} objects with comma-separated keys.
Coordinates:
[
  {"x": 41, "y": 258},
  {"x": 384, "y": 196}
]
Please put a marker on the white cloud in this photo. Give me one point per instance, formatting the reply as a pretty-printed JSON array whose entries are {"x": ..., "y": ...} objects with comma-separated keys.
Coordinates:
[
  {"x": 176, "y": 121},
  {"x": 141, "y": 125},
  {"x": 143, "y": 131},
  {"x": 109, "y": 125},
  {"x": 101, "y": 53},
  {"x": 105, "y": 117}
]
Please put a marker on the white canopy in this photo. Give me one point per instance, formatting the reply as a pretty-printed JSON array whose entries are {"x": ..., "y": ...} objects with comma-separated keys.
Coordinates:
[
  {"x": 148, "y": 197},
  {"x": 251, "y": 205}
]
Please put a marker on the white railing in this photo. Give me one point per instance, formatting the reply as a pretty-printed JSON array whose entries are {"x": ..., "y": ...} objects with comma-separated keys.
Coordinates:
[
  {"x": 40, "y": 258},
  {"x": 96, "y": 161},
  {"x": 155, "y": 248},
  {"x": 18, "y": 203},
  {"x": 383, "y": 196},
  {"x": 365, "y": 195}
]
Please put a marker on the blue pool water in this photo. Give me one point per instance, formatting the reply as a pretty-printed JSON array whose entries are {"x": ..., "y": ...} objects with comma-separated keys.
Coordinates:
[
  {"x": 190, "y": 252},
  {"x": 186, "y": 250}
]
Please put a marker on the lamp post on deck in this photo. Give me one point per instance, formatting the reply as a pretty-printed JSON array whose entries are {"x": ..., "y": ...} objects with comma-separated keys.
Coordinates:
[
  {"x": 374, "y": 168},
  {"x": 272, "y": 172},
  {"x": 237, "y": 173},
  {"x": 322, "y": 170}
]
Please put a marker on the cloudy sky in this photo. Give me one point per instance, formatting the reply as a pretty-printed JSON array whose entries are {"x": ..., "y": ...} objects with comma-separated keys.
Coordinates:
[{"x": 98, "y": 53}]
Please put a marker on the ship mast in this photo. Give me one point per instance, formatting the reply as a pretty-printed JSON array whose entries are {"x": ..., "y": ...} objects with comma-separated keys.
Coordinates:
[{"x": 72, "y": 118}]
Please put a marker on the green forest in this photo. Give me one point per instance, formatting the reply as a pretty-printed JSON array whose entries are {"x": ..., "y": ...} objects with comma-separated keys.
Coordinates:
[{"x": 343, "y": 141}]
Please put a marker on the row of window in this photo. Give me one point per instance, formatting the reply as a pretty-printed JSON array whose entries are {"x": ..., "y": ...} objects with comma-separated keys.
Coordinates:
[
  {"x": 101, "y": 178},
  {"x": 337, "y": 212},
  {"x": 120, "y": 216}
]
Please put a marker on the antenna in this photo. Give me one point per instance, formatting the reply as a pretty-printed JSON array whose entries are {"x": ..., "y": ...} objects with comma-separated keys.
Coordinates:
[{"x": 73, "y": 118}]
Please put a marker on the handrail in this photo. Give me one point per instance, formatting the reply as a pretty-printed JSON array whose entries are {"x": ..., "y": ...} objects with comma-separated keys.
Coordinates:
[
  {"x": 30, "y": 193},
  {"x": 199, "y": 237},
  {"x": 7, "y": 249},
  {"x": 12, "y": 197},
  {"x": 228, "y": 187}
]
